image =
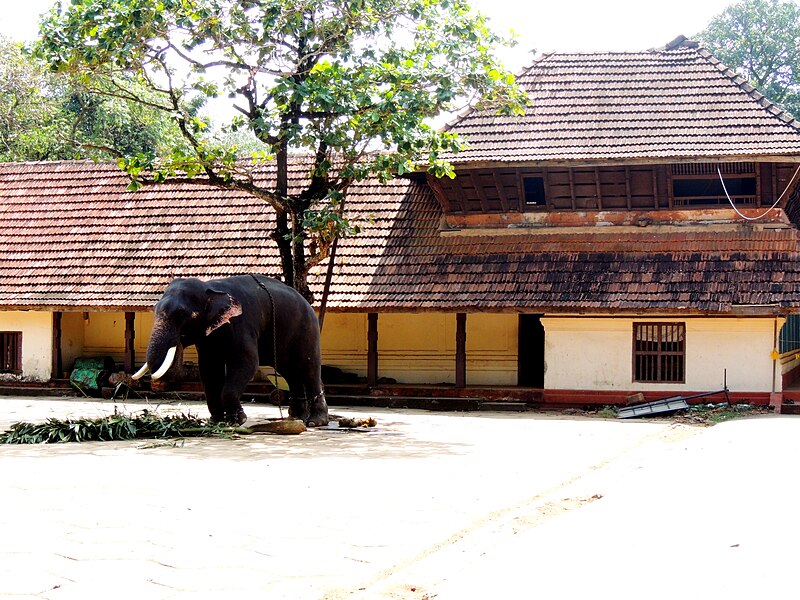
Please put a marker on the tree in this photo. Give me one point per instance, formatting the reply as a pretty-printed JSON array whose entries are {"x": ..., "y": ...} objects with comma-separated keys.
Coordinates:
[
  {"x": 351, "y": 83},
  {"x": 28, "y": 120},
  {"x": 761, "y": 40},
  {"x": 45, "y": 116}
]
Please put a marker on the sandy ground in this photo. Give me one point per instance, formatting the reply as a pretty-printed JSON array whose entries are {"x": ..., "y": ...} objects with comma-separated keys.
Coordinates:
[{"x": 426, "y": 505}]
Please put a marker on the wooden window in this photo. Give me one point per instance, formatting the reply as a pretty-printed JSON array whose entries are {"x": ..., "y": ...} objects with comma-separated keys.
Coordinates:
[
  {"x": 698, "y": 184},
  {"x": 11, "y": 344},
  {"x": 659, "y": 352},
  {"x": 533, "y": 190}
]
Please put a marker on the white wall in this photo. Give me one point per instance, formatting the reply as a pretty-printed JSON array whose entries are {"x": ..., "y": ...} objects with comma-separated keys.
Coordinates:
[
  {"x": 596, "y": 353},
  {"x": 37, "y": 342}
]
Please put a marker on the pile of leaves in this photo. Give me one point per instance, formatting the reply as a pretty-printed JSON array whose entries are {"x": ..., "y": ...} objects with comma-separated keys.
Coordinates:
[{"x": 119, "y": 426}]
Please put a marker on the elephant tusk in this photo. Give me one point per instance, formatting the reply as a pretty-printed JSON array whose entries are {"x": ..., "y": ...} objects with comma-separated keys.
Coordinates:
[
  {"x": 140, "y": 373},
  {"x": 166, "y": 364}
]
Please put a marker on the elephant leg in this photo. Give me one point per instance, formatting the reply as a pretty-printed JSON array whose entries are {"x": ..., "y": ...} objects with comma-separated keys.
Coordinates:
[
  {"x": 308, "y": 401},
  {"x": 212, "y": 376},
  {"x": 318, "y": 408},
  {"x": 239, "y": 375},
  {"x": 317, "y": 405},
  {"x": 298, "y": 404}
]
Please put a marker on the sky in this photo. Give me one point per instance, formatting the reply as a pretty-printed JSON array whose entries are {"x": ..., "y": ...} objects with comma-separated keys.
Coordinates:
[{"x": 544, "y": 26}]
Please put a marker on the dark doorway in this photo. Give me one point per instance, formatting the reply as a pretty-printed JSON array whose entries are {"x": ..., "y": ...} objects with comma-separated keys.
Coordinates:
[{"x": 530, "y": 371}]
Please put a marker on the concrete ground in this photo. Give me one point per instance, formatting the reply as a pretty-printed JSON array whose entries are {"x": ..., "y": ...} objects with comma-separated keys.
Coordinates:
[{"x": 426, "y": 505}]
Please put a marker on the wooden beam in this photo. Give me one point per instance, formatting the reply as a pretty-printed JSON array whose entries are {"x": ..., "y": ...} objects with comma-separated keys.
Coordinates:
[
  {"x": 475, "y": 180},
  {"x": 654, "y": 171},
  {"x": 461, "y": 350},
  {"x": 459, "y": 190},
  {"x": 501, "y": 192},
  {"x": 439, "y": 193},
  {"x": 572, "y": 189},
  {"x": 372, "y": 349},
  {"x": 598, "y": 188},
  {"x": 130, "y": 337},
  {"x": 757, "y": 169},
  {"x": 628, "y": 186},
  {"x": 670, "y": 195},
  {"x": 546, "y": 189},
  {"x": 57, "y": 368}
]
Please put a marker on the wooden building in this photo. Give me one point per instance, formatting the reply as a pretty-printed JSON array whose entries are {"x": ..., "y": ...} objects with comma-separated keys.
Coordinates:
[{"x": 586, "y": 250}]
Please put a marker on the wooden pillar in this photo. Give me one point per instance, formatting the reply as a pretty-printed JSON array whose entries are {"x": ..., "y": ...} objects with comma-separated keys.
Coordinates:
[
  {"x": 372, "y": 349},
  {"x": 130, "y": 337},
  {"x": 461, "y": 350},
  {"x": 57, "y": 368}
]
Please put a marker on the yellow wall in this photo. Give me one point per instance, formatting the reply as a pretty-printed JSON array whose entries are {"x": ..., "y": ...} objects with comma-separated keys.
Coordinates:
[
  {"x": 492, "y": 349},
  {"x": 580, "y": 352},
  {"x": 99, "y": 334},
  {"x": 593, "y": 353},
  {"x": 420, "y": 348},
  {"x": 417, "y": 348},
  {"x": 344, "y": 342},
  {"x": 72, "y": 338},
  {"x": 104, "y": 335},
  {"x": 37, "y": 342}
]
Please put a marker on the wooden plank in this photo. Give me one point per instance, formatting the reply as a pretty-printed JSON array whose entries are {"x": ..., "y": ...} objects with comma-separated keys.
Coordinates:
[
  {"x": 628, "y": 187},
  {"x": 774, "y": 196},
  {"x": 501, "y": 191},
  {"x": 571, "y": 188},
  {"x": 758, "y": 186},
  {"x": 654, "y": 173},
  {"x": 372, "y": 349},
  {"x": 459, "y": 190},
  {"x": 670, "y": 194},
  {"x": 439, "y": 193},
  {"x": 475, "y": 180},
  {"x": 461, "y": 350},
  {"x": 598, "y": 187},
  {"x": 546, "y": 179}
]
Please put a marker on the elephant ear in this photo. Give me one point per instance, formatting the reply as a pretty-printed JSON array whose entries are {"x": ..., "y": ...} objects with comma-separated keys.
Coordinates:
[{"x": 222, "y": 307}]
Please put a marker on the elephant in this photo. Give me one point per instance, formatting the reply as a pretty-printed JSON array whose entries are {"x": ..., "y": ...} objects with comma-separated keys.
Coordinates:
[{"x": 236, "y": 324}]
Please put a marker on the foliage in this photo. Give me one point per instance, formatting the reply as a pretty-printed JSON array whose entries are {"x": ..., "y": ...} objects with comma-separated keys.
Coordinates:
[
  {"x": 46, "y": 116},
  {"x": 711, "y": 414},
  {"x": 118, "y": 426},
  {"x": 29, "y": 122},
  {"x": 350, "y": 83},
  {"x": 761, "y": 40}
]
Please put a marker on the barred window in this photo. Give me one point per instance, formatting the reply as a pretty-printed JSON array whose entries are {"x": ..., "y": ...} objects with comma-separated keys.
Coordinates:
[
  {"x": 11, "y": 345},
  {"x": 790, "y": 335},
  {"x": 698, "y": 184},
  {"x": 659, "y": 352}
]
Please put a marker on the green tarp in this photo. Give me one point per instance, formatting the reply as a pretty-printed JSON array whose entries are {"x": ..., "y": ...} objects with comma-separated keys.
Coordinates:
[{"x": 89, "y": 374}]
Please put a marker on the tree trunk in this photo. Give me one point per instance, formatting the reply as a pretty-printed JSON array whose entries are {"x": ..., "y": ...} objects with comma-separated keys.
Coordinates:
[
  {"x": 299, "y": 254},
  {"x": 283, "y": 231}
]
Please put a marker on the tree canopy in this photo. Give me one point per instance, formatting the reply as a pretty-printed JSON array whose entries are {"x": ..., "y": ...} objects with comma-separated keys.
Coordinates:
[
  {"x": 46, "y": 116},
  {"x": 761, "y": 40},
  {"x": 350, "y": 83}
]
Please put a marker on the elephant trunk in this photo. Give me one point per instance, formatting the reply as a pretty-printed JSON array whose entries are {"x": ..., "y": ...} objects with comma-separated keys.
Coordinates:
[{"x": 164, "y": 352}]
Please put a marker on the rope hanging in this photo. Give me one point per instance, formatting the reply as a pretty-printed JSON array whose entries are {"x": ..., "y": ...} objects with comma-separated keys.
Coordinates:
[{"x": 764, "y": 214}]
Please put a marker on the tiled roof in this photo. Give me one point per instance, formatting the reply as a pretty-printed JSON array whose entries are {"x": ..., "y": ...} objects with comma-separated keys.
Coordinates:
[
  {"x": 73, "y": 237},
  {"x": 602, "y": 271},
  {"x": 674, "y": 103}
]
